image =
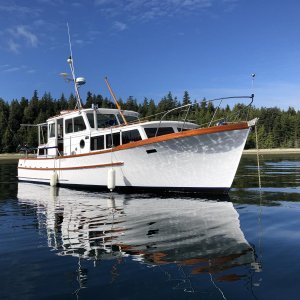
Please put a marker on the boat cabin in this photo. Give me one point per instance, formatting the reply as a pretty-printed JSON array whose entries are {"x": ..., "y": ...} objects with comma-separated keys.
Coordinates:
[{"x": 95, "y": 129}]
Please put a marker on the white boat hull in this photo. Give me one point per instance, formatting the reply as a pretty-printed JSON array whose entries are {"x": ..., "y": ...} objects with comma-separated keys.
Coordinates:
[{"x": 204, "y": 162}]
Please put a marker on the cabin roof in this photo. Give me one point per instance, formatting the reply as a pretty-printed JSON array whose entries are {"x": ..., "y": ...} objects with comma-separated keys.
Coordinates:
[{"x": 66, "y": 113}]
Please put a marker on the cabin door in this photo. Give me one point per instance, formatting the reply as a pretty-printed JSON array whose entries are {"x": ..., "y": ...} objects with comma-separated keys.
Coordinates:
[
  {"x": 52, "y": 143},
  {"x": 60, "y": 136}
]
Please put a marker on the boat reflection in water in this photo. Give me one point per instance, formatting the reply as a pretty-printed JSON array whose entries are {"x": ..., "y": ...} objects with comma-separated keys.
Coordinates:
[{"x": 200, "y": 236}]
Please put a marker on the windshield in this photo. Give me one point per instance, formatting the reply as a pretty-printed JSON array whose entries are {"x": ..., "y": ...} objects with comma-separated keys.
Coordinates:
[
  {"x": 103, "y": 120},
  {"x": 129, "y": 119}
]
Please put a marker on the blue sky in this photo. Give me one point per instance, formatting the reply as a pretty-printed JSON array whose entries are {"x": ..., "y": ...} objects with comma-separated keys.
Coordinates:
[{"x": 150, "y": 47}]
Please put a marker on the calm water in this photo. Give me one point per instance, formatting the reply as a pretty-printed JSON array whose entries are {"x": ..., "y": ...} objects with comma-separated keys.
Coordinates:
[{"x": 67, "y": 244}]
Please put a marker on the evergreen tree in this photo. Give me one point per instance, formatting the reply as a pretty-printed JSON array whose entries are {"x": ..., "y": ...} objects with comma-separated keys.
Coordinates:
[
  {"x": 46, "y": 106},
  {"x": 276, "y": 127},
  {"x": 61, "y": 104},
  {"x": 15, "y": 115},
  {"x": 72, "y": 102},
  {"x": 31, "y": 111},
  {"x": 89, "y": 100},
  {"x": 7, "y": 141},
  {"x": 151, "y": 108},
  {"x": 24, "y": 105},
  {"x": 186, "y": 98},
  {"x": 167, "y": 103},
  {"x": 98, "y": 100},
  {"x": 4, "y": 109},
  {"x": 106, "y": 103},
  {"x": 131, "y": 104},
  {"x": 143, "y": 109}
]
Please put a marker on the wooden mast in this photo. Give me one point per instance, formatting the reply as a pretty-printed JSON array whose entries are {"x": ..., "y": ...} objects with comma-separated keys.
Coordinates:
[{"x": 115, "y": 99}]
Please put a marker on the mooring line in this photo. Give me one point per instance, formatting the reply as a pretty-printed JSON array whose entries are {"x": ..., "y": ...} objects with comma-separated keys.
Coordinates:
[
  {"x": 258, "y": 264},
  {"x": 257, "y": 156}
]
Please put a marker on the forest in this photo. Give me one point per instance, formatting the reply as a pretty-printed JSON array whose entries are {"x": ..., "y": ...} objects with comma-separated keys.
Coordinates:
[{"x": 276, "y": 128}]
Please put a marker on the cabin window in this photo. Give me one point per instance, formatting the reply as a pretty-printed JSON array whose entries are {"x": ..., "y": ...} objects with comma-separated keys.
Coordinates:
[
  {"x": 51, "y": 130},
  {"x": 69, "y": 126},
  {"x": 60, "y": 128},
  {"x": 79, "y": 124},
  {"x": 42, "y": 151},
  {"x": 43, "y": 134},
  {"x": 161, "y": 131},
  {"x": 129, "y": 119},
  {"x": 107, "y": 120},
  {"x": 103, "y": 121},
  {"x": 74, "y": 125},
  {"x": 130, "y": 136},
  {"x": 90, "y": 117},
  {"x": 97, "y": 142},
  {"x": 115, "y": 140}
]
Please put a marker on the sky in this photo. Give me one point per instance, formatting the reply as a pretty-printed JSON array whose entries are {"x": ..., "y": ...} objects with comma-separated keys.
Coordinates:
[{"x": 150, "y": 47}]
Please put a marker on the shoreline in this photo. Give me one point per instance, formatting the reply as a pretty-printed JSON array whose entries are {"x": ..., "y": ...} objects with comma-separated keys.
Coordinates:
[
  {"x": 272, "y": 151},
  {"x": 10, "y": 156},
  {"x": 277, "y": 151}
]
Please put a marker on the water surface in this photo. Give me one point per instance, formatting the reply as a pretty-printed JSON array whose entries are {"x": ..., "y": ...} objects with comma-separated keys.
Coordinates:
[{"x": 59, "y": 243}]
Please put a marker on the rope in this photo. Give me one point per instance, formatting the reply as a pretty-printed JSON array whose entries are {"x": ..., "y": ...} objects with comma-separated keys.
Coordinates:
[
  {"x": 213, "y": 282},
  {"x": 259, "y": 262},
  {"x": 112, "y": 144},
  {"x": 257, "y": 156}
]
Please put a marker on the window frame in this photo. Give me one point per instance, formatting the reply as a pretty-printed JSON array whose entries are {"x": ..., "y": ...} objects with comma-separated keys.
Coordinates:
[
  {"x": 108, "y": 142},
  {"x": 129, "y": 140},
  {"x": 92, "y": 144},
  {"x": 160, "y": 131},
  {"x": 51, "y": 130},
  {"x": 71, "y": 121}
]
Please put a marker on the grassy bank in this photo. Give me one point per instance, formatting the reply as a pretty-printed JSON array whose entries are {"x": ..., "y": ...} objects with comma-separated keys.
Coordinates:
[
  {"x": 273, "y": 151},
  {"x": 10, "y": 156}
]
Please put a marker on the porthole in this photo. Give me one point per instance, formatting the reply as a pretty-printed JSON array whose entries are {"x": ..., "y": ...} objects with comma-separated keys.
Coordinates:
[{"x": 82, "y": 144}]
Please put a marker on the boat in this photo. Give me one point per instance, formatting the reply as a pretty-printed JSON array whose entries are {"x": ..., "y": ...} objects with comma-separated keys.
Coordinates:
[{"x": 115, "y": 149}]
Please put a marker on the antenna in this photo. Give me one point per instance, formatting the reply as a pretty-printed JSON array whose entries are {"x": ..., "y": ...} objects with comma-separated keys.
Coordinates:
[
  {"x": 77, "y": 82},
  {"x": 65, "y": 76},
  {"x": 253, "y": 77},
  {"x": 115, "y": 99}
]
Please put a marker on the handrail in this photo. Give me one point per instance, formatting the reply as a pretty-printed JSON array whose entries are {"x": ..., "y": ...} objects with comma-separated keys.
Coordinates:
[
  {"x": 212, "y": 100},
  {"x": 215, "y": 113},
  {"x": 226, "y": 98},
  {"x": 173, "y": 109},
  {"x": 233, "y": 97},
  {"x": 187, "y": 112}
]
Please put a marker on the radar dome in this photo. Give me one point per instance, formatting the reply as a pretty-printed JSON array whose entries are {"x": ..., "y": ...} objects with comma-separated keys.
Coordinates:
[{"x": 80, "y": 81}]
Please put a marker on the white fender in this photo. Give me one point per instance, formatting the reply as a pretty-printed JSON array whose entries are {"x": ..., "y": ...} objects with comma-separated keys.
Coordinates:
[
  {"x": 111, "y": 179},
  {"x": 53, "y": 179}
]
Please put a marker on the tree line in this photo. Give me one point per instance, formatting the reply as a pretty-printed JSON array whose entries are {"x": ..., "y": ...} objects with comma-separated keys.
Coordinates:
[{"x": 276, "y": 128}]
